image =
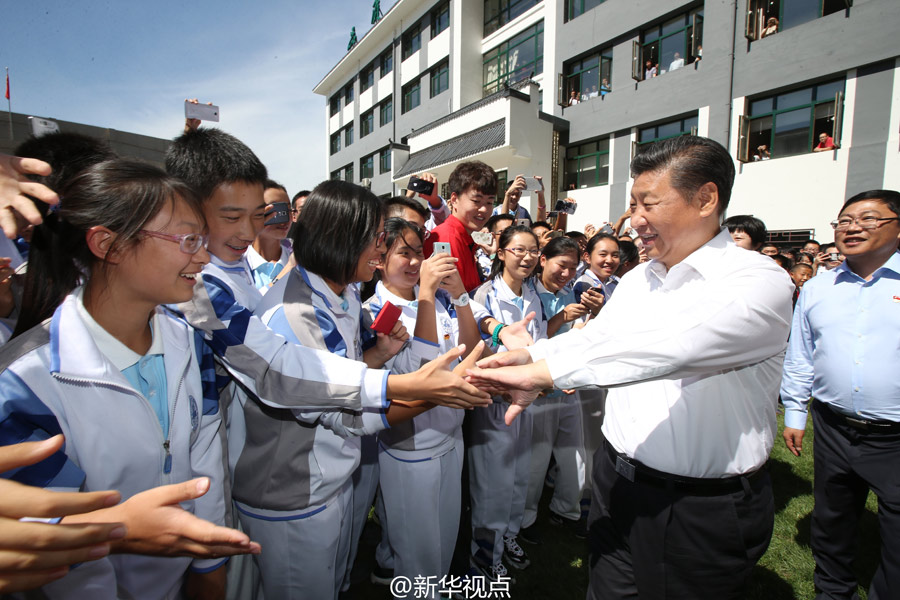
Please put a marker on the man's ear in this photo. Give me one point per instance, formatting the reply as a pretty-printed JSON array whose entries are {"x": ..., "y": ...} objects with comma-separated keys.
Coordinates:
[
  {"x": 708, "y": 198},
  {"x": 100, "y": 240}
]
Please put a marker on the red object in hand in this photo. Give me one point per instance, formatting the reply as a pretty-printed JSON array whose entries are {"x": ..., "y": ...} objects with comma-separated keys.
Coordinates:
[{"x": 387, "y": 316}]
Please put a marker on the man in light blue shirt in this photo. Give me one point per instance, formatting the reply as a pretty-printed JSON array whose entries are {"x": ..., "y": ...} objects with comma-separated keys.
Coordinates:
[{"x": 843, "y": 353}]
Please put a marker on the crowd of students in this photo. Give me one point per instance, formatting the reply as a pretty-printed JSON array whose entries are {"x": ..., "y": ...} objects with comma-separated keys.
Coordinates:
[{"x": 161, "y": 327}]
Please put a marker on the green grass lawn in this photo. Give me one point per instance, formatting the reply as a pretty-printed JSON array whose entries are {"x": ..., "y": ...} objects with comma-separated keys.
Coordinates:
[{"x": 559, "y": 565}]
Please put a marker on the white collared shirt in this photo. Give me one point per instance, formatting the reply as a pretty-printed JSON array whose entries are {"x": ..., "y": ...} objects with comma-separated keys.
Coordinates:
[{"x": 694, "y": 358}]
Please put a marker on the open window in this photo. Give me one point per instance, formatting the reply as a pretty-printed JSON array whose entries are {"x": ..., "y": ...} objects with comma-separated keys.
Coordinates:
[
  {"x": 767, "y": 17},
  {"x": 671, "y": 45}
]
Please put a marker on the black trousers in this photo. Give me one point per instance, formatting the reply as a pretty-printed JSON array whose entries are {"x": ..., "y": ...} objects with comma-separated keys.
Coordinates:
[
  {"x": 650, "y": 542},
  {"x": 849, "y": 462}
]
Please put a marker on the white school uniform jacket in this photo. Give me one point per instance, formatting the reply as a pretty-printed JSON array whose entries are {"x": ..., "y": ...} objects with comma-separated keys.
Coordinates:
[
  {"x": 493, "y": 298},
  {"x": 55, "y": 380},
  {"x": 263, "y": 271},
  {"x": 434, "y": 432},
  {"x": 296, "y": 460}
]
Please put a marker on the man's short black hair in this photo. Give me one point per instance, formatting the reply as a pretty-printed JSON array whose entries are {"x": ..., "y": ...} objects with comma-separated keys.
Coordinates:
[
  {"x": 205, "y": 158},
  {"x": 691, "y": 162},
  {"x": 576, "y": 235},
  {"x": 497, "y": 218},
  {"x": 393, "y": 207},
  {"x": 473, "y": 174},
  {"x": 338, "y": 221},
  {"x": 271, "y": 184},
  {"x": 891, "y": 199},
  {"x": 750, "y": 225},
  {"x": 544, "y": 224},
  {"x": 67, "y": 154},
  {"x": 298, "y": 195}
]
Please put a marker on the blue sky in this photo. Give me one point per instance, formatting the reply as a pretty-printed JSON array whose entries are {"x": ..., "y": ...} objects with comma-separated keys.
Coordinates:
[{"x": 129, "y": 65}]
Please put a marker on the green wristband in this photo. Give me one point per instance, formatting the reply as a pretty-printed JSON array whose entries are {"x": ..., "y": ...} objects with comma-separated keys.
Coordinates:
[{"x": 495, "y": 337}]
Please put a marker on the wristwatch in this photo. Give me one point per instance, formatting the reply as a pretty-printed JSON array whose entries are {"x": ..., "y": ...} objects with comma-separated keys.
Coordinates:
[{"x": 463, "y": 300}]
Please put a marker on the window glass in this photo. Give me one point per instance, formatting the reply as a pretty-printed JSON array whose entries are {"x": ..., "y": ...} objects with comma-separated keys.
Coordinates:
[
  {"x": 498, "y": 13},
  {"x": 440, "y": 78},
  {"x": 366, "y": 123},
  {"x": 348, "y": 173},
  {"x": 348, "y": 135},
  {"x": 335, "y": 104},
  {"x": 514, "y": 60},
  {"x": 386, "y": 112},
  {"x": 762, "y": 106},
  {"x": 335, "y": 142},
  {"x": 826, "y": 91},
  {"x": 367, "y": 167},
  {"x": 673, "y": 25},
  {"x": 440, "y": 19},
  {"x": 798, "y": 12},
  {"x": 412, "y": 95},
  {"x": 412, "y": 41},
  {"x": 384, "y": 160},
  {"x": 587, "y": 165},
  {"x": 791, "y": 133},
  {"x": 387, "y": 62},
  {"x": 792, "y": 99},
  {"x": 348, "y": 94}
]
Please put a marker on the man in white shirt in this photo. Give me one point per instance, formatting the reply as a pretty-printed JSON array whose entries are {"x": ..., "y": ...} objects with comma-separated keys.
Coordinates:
[
  {"x": 676, "y": 63},
  {"x": 691, "y": 345}
]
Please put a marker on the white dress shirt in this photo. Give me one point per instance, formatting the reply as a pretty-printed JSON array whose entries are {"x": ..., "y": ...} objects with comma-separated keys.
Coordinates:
[{"x": 693, "y": 357}]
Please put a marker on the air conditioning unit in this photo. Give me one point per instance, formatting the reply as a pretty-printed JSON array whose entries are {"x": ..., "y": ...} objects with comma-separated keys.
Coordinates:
[{"x": 366, "y": 183}]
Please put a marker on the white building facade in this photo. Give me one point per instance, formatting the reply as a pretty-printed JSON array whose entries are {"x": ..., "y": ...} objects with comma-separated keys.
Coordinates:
[{"x": 434, "y": 84}]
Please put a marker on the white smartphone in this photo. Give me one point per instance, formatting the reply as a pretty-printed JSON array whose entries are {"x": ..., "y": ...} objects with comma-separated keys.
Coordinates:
[
  {"x": 532, "y": 185},
  {"x": 204, "y": 112},
  {"x": 442, "y": 247},
  {"x": 482, "y": 237}
]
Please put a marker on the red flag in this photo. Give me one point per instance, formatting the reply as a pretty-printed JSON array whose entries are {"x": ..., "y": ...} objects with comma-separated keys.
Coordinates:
[{"x": 7, "y": 85}]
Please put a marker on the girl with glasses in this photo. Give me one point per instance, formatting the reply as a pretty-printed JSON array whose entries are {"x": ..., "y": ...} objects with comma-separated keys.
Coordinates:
[
  {"x": 130, "y": 385},
  {"x": 500, "y": 455}
]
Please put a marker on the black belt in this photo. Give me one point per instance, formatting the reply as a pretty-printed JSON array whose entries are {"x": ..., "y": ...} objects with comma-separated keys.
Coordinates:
[
  {"x": 865, "y": 425},
  {"x": 634, "y": 471}
]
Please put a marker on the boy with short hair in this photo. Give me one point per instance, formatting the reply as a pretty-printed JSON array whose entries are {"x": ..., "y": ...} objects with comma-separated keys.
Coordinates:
[{"x": 473, "y": 190}]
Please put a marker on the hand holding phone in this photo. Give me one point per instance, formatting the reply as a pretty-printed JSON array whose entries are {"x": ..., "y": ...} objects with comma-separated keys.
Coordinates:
[
  {"x": 280, "y": 212},
  {"x": 201, "y": 112},
  {"x": 420, "y": 186},
  {"x": 442, "y": 247},
  {"x": 387, "y": 317}
]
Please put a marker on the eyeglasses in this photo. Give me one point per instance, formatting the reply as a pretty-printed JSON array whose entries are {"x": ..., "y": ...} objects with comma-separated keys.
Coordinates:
[
  {"x": 190, "y": 243},
  {"x": 423, "y": 233},
  {"x": 868, "y": 222},
  {"x": 521, "y": 252}
]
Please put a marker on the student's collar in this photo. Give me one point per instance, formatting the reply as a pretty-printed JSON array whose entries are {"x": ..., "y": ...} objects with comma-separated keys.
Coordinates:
[
  {"x": 335, "y": 303},
  {"x": 385, "y": 294}
]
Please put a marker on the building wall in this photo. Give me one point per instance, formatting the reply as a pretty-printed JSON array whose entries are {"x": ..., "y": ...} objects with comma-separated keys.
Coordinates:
[{"x": 123, "y": 143}]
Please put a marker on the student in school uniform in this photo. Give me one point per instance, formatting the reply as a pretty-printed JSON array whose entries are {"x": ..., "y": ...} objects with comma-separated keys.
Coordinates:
[
  {"x": 128, "y": 384},
  {"x": 297, "y": 483},
  {"x": 499, "y": 455},
  {"x": 421, "y": 460},
  {"x": 271, "y": 250}
]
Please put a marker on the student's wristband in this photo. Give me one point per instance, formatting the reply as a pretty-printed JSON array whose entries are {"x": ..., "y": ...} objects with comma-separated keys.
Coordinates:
[{"x": 495, "y": 337}]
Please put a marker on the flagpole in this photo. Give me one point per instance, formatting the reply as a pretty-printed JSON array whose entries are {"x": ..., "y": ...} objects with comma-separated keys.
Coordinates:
[{"x": 9, "y": 104}]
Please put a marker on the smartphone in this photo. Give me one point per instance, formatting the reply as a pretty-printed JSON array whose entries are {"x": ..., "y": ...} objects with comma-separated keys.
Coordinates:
[
  {"x": 606, "y": 229},
  {"x": 442, "y": 247},
  {"x": 387, "y": 317},
  {"x": 633, "y": 234},
  {"x": 555, "y": 233},
  {"x": 532, "y": 185},
  {"x": 524, "y": 222},
  {"x": 420, "y": 186},
  {"x": 581, "y": 288},
  {"x": 482, "y": 237},
  {"x": 565, "y": 206},
  {"x": 834, "y": 256},
  {"x": 204, "y": 112},
  {"x": 278, "y": 214}
]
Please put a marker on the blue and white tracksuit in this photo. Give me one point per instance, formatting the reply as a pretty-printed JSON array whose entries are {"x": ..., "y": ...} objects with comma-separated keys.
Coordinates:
[
  {"x": 55, "y": 380},
  {"x": 292, "y": 482},
  {"x": 557, "y": 431},
  {"x": 500, "y": 455},
  {"x": 420, "y": 460},
  {"x": 263, "y": 271}
]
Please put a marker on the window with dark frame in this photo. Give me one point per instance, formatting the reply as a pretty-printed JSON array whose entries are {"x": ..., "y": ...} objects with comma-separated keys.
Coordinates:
[
  {"x": 384, "y": 160},
  {"x": 335, "y": 142},
  {"x": 518, "y": 58},
  {"x": 367, "y": 167},
  {"x": 587, "y": 164},
  {"x": 412, "y": 94},
  {"x": 790, "y": 123},
  {"x": 386, "y": 61},
  {"x": 440, "y": 77},
  {"x": 348, "y": 173},
  {"x": 440, "y": 18},
  {"x": 386, "y": 111},
  {"x": 576, "y": 8},
  {"x": 366, "y": 77},
  {"x": 335, "y": 104},
  {"x": 671, "y": 45},
  {"x": 411, "y": 42},
  {"x": 336, "y": 175},
  {"x": 498, "y": 13},
  {"x": 589, "y": 77},
  {"x": 789, "y": 13},
  {"x": 348, "y": 94},
  {"x": 348, "y": 135},
  {"x": 366, "y": 123},
  {"x": 647, "y": 136}
]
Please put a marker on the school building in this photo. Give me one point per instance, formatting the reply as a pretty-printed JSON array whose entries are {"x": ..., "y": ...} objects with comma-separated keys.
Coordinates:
[{"x": 433, "y": 84}]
